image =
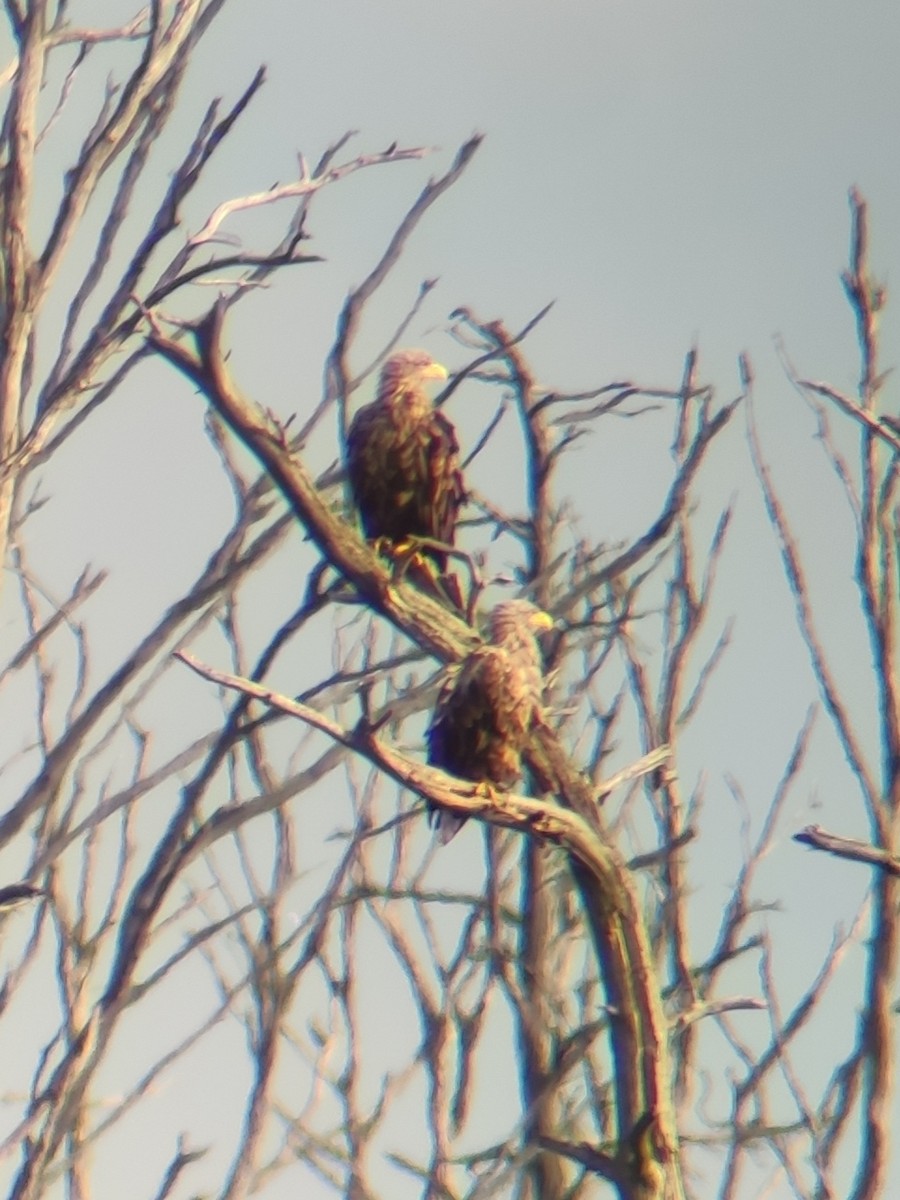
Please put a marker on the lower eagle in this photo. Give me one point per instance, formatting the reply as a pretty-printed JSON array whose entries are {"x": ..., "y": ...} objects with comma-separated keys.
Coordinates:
[{"x": 485, "y": 713}]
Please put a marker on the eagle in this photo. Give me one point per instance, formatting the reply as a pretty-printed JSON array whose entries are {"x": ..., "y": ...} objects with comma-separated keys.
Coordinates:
[
  {"x": 403, "y": 468},
  {"x": 485, "y": 712}
]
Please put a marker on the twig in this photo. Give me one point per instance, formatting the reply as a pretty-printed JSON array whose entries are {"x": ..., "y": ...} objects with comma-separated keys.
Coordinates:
[
  {"x": 843, "y": 847},
  {"x": 304, "y": 186}
]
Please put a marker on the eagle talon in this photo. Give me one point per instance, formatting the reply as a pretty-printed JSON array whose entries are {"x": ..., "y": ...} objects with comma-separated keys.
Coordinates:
[
  {"x": 384, "y": 548},
  {"x": 485, "y": 790},
  {"x": 406, "y": 556},
  {"x": 405, "y": 550}
]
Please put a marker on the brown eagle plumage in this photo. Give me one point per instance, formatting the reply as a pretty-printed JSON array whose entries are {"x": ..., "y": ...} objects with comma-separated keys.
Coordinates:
[
  {"x": 403, "y": 459},
  {"x": 485, "y": 713}
]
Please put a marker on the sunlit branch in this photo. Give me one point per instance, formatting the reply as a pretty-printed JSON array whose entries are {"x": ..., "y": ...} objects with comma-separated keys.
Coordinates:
[
  {"x": 304, "y": 186},
  {"x": 511, "y": 810}
]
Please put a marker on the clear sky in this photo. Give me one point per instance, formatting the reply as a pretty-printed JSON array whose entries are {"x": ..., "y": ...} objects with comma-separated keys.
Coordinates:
[{"x": 668, "y": 174}]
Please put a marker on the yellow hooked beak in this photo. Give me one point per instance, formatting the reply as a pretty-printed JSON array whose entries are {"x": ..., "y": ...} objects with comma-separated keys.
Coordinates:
[
  {"x": 434, "y": 370},
  {"x": 541, "y": 620}
]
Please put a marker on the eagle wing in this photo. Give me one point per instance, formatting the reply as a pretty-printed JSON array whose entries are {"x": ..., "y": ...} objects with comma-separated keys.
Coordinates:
[
  {"x": 405, "y": 475},
  {"x": 482, "y": 723}
]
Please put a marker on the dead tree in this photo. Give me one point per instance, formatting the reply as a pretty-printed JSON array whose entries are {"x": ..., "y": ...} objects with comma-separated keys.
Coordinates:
[{"x": 244, "y": 962}]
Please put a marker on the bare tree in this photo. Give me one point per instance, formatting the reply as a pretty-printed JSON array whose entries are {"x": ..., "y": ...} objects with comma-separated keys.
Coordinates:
[{"x": 236, "y": 905}]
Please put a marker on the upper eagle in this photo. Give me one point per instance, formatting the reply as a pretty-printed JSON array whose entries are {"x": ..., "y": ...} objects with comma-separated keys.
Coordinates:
[
  {"x": 485, "y": 713},
  {"x": 403, "y": 459}
]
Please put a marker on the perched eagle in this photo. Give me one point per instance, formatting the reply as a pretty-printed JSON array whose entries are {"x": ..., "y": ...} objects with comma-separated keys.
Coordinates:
[
  {"x": 403, "y": 463},
  {"x": 485, "y": 713}
]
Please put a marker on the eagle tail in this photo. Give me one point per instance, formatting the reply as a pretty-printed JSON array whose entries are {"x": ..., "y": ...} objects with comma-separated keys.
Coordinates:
[{"x": 446, "y": 825}]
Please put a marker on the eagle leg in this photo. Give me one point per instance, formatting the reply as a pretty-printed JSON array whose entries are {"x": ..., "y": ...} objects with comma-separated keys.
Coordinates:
[{"x": 409, "y": 561}]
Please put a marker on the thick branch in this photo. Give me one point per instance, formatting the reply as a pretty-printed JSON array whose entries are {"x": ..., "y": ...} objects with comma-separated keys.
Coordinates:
[
  {"x": 510, "y": 810},
  {"x": 620, "y": 938},
  {"x": 424, "y": 619}
]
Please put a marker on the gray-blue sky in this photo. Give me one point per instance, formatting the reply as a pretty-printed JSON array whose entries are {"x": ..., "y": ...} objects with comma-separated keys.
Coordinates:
[{"x": 666, "y": 173}]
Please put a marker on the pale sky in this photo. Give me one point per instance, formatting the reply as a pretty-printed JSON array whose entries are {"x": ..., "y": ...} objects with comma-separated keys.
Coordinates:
[{"x": 668, "y": 175}]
